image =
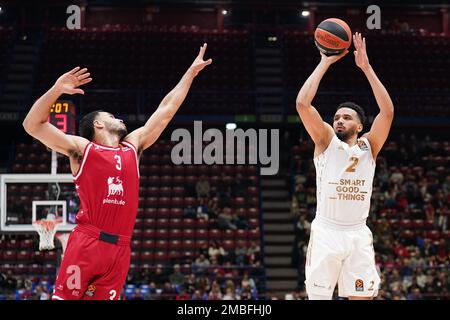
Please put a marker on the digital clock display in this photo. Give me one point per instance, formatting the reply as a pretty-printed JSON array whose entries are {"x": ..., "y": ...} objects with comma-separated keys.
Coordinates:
[{"x": 62, "y": 115}]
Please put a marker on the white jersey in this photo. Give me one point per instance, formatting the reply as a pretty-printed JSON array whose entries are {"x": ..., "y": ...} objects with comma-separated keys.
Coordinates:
[{"x": 344, "y": 182}]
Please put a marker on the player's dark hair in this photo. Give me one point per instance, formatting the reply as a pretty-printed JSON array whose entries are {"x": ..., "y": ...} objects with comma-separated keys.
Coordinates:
[
  {"x": 86, "y": 126},
  {"x": 358, "y": 109}
]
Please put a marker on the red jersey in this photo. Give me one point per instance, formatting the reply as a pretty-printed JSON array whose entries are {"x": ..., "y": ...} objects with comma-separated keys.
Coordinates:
[{"x": 107, "y": 183}]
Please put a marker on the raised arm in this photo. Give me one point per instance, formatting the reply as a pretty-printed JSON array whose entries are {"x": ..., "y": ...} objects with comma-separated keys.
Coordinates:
[
  {"x": 36, "y": 122},
  {"x": 382, "y": 124},
  {"x": 145, "y": 136},
  {"x": 321, "y": 132}
]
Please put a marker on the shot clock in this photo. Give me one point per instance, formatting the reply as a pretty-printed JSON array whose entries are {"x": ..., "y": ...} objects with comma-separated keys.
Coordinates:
[{"x": 62, "y": 115}]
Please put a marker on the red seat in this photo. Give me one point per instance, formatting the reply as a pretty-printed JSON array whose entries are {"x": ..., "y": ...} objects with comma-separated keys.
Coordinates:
[
  {"x": 139, "y": 223},
  {"x": 254, "y": 223},
  {"x": 253, "y": 213},
  {"x": 175, "y": 245},
  {"x": 228, "y": 235},
  {"x": 178, "y": 191},
  {"x": 151, "y": 202},
  {"x": 188, "y": 244},
  {"x": 433, "y": 234},
  {"x": 148, "y": 234},
  {"x": 188, "y": 234},
  {"x": 161, "y": 245},
  {"x": 160, "y": 257},
  {"x": 153, "y": 181},
  {"x": 150, "y": 213},
  {"x": 215, "y": 234},
  {"x": 148, "y": 245},
  {"x": 135, "y": 256},
  {"x": 164, "y": 213},
  {"x": 177, "y": 202},
  {"x": 136, "y": 245},
  {"x": 174, "y": 256},
  {"x": 149, "y": 223},
  {"x": 146, "y": 257},
  {"x": 164, "y": 202},
  {"x": 12, "y": 244},
  {"x": 176, "y": 213},
  {"x": 152, "y": 191},
  {"x": 50, "y": 255},
  {"x": 253, "y": 234},
  {"x": 137, "y": 234},
  {"x": 176, "y": 223},
  {"x": 165, "y": 191},
  {"x": 188, "y": 223},
  {"x": 228, "y": 245},
  {"x": 241, "y": 234},
  {"x": 162, "y": 234},
  {"x": 162, "y": 223},
  {"x": 23, "y": 255},
  {"x": 175, "y": 234},
  {"x": 405, "y": 224},
  {"x": 10, "y": 256},
  {"x": 201, "y": 234},
  {"x": 202, "y": 224},
  {"x": 166, "y": 180},
  {"x": 35, "y": 269}
]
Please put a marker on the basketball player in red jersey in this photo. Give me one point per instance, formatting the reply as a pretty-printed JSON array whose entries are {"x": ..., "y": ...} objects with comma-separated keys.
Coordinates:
[{"x": 104, "y": 161}]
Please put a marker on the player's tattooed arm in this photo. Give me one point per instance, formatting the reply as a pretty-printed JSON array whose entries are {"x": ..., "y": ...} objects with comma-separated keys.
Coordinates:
[
  {"x": 382, "y": 124},
  {"x": 36, "y": 124},
  {"x": 146, "y": 135}
]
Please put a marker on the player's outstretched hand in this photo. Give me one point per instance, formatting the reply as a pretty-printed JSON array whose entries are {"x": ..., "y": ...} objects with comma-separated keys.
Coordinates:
[
  {"x": 70, "y": 81},
  {"x": 199, "y": 63},
  {"x": 332, "y": 59},
  {"x": 361, "y": 58}
]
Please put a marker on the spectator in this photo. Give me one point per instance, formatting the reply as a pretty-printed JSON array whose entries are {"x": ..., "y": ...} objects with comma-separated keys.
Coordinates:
[
  {"x": 216, "y": 293},
  {"x": 216, "y": 250},
  {"x": 200, "y": 265},
  {"x": 159, "y": 277},
  {"x": 226, "y": 219},
  {"x": 199, "y": 295},
  {"x": 40, "y": 293},
  {"x": 241, "y": 254},
  {"x": 137, "y": 295},
  {"x": 202, "y": 187},
  {"x": 176, "y": 278}
]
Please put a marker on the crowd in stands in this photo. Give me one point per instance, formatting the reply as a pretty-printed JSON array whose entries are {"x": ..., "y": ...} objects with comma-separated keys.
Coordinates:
[{"x": 409, "y": 216}]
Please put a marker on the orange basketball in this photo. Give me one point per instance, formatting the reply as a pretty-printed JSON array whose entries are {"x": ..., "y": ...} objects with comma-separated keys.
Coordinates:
[{"x": 333, "y": 36}]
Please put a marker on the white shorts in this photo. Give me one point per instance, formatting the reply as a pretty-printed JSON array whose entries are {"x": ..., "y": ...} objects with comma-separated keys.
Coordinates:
[{"x": 341, "y": 255}]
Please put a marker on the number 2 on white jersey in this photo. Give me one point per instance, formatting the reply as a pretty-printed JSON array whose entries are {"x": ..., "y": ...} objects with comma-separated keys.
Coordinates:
[
  {"x": 351, "y": 168},
  {"x": 119, "y": 162}
]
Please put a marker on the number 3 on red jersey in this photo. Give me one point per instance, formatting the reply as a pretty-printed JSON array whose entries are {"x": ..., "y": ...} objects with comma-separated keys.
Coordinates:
[{"x": 119, "y": 162}]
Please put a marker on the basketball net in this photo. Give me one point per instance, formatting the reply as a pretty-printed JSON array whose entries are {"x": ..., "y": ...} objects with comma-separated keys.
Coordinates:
[{"x": 46, "y": 230}]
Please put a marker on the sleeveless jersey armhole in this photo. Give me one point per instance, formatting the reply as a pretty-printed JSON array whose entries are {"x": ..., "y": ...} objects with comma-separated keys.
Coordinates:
[
  {"x": 83, "y": 161},
  {"x": 370, "y": 147},
  {"x": 130, "y": 145},
  {"x": 328, "y": 147}
]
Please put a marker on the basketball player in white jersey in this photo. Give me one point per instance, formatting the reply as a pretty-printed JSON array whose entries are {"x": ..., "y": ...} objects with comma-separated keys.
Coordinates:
[{"x": 340, "y": 249}]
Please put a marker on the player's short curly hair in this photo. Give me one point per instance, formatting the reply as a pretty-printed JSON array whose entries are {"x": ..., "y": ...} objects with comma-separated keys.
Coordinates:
[
  {"x": 358, "y": 109},
  {"x": 86, "y": 127}
]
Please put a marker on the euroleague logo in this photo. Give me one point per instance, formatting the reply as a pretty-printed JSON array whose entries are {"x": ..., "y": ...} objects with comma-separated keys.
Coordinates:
[{"x": 359, "y": 285}]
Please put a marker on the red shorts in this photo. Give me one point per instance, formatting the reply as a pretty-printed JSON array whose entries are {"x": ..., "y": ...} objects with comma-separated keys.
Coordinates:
[{"x": 93, "y": 269}]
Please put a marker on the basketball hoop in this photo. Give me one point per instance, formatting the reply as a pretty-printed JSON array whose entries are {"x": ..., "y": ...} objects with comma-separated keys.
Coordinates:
[{"x": 46, "y": 230}]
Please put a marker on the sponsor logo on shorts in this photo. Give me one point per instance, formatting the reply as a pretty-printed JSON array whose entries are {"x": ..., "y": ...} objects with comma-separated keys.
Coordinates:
[
  {"x": 359, "y": 285},
  {"x": 75, "y": 293},
  {"x": 60, "y": 287},
  {"x": 91, "y": 290}
]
